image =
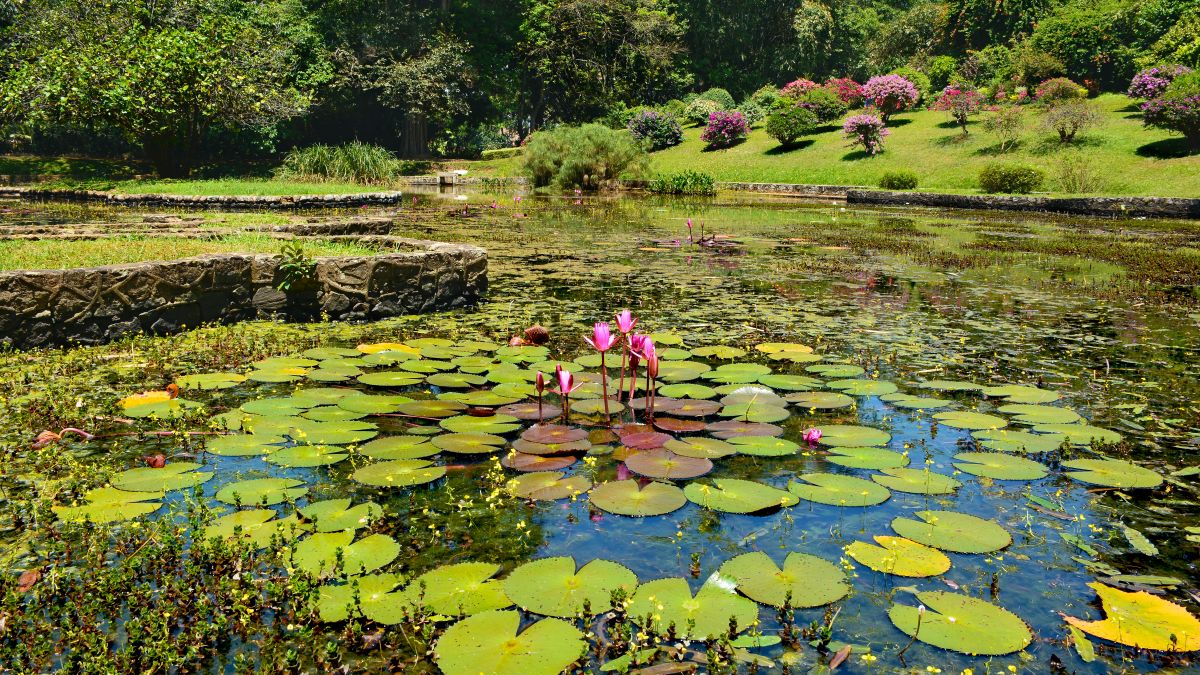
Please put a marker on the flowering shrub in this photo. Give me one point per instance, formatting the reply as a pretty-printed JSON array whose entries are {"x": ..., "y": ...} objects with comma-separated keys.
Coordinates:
[
  {"x": 794, "y": 88},
  {"x": 1152, "y": 82},
  {"x": 867, "y": 131},
  {"x": 1058, "y": 89},
  {"x": 890, "y": 94},
  {"x": 698, "y": 110},
  {"x": 751, "y": 111},
  {"x": 1177, "y": 109},
  {"x": 765, "y": 97},
  {"x": 720, "y": 96},
  {"x": 846, "y": 89},
  {"x": 788, "y": 122},
  {"x": 824, "y": 103},
  {"x": 656, "y": 130},
  {"x": 724, "y": 128},
  {"x": 960, "y": 103}
]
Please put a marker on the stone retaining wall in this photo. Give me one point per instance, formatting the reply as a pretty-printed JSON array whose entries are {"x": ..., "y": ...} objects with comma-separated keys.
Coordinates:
[
  {"x": 206, "y": 201},
  {"x": 1147, "y": 207},
  {"x": 93, "y": 305}
]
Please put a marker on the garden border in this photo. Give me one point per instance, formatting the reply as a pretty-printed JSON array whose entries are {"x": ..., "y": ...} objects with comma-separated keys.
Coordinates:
[{"x": 1123, "y": 207}]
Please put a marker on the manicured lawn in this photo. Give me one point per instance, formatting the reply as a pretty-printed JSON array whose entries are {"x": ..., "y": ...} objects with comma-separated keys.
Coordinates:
[
  {"x": 244, "y": 186},
  {"x": 66, "y": 254},
  {"x": 1126, "y": 158}
]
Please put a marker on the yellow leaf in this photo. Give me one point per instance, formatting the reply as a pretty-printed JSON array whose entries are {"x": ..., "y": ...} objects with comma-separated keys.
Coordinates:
[
  {"x": 1142, "y": 620},
  {"x": 388, "y": 347}
]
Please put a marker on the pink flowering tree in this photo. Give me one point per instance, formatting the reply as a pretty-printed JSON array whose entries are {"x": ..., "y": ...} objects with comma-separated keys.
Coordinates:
[
  {"x": 890, "y": 94},
  {"x": 846, "y": 89},
  {"x": 960, "y": 103},
  {"x": 1152, "y": 82},
  {"x": 724, "y": 129},
  {"x": 867, "y": 131},
  {"x": 1177, "y": 109},
  {"x": 794, "y": 88}
]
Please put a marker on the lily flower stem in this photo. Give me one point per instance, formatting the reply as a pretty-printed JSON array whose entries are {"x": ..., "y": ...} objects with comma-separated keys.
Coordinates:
[
  {"x": 539, "y": 407},
  {"x": 624, "y": 360},
  {"x": 632, "y": 386},
  {"x": 604, "y": 389},
  {"x": 649, "y": 398}
]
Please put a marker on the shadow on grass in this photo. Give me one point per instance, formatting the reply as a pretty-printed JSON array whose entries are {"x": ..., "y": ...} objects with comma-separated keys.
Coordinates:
[
  {"x": 997, "y": 150},
  {"x": 856, "y": 155},
  {"x": 954, "y": 139},
  {"x": 790, "y": 147},
  {"x": 1050, "y": 145},
  {"x": 893, "y": 123},
  {"x": 709, "y": 148},
  {"x": 947, "y": 124},
  {"x": 1167, "y": 148}
]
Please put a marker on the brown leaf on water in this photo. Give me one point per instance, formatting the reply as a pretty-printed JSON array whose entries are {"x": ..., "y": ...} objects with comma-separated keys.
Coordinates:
[
  {"x": 840, "y": 657},
  {"x": 28, "y": 580}
]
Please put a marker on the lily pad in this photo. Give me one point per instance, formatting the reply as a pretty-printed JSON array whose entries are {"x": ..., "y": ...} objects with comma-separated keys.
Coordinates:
[
  {"x": 687, "y": 390},
  {"x": 662, "y": 463},
  {"x": 262, "y": 491},
  {"x": 629, "y": 498},
  {"x": 866, "y": 458},
  {"x": 820, "y": 400},
  {"x": 548, "y": 485},
  {"x": 1143, "y": 621},
  {"x": 469, "y": 444},
  {"x": 308, "y": 456},
  {"x": 899, "y": 556},
  {"x": 372, "y": 404},
  {"x": 258, "y": 527},
  {"x": 953, "y": 531},
  {"x": 810, "y": 581},
  {"x": 1040, "y": 414},
  {"x": 110, "y": 505},
  {"x": 376, "y": 599},
  {"x": 962, "y": 419},
  {"x": 917, "y": 481},
  {"x": 399, "y": 473},
  {"x": 1079, "y": 434},
  {"x": 999, "y": 466},
  {"x": 399, "y": 447},
  {"x": 737, "y": 373},
  {"x": 734, "y": 495},
  {"x": 242, "y": 445},
  {"x": 174, "y": 476},
  {"x": 1008, "y": 440},
  {"x": 963, "y": 624},
  {"x": 790, "y": 382},
  {"x": 764, "y": 446},
  {"x": 950, "y": 385},
  {"x": 317, "y": 554},
  {"x": 461, "y": 589},
  {"x": 490, "y": 643},
  {"x": 862, "y": 387},
  {"x": 838, "y": 490},
  {"x": 496, "y": 424},
  {"x": 699, "y": 446},
  {"x": 852, "y": 436},
  {"x": 553, "y": 587},
  {"x": 333, "y": 515},
  {"x": 210, "y": 381},
  {"x": 728, "y": 430},
  {"x": 711, "y": 612},
  {"x": 522, "y": 461},
  {"x": 1017, "y": 393},
  {"x": 835, "y": 370},
  {"x": 720, "y": 352},
  {"x": 391, "y": 378},
  {"x": 755, "y": 412},
  {"x": 1112, "y": 473}
]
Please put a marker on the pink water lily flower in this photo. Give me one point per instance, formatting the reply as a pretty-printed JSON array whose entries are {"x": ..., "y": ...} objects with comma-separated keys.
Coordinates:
[
  {"x": 566, "y": 381},
  {"x": 539, "y": 383},
  {"x": 602, "y": 338},
  {"x": 811, "y": 436},
  {"x": 626, "y": 321}
]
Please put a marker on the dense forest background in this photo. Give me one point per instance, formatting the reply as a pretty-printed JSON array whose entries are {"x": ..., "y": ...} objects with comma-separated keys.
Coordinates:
[{"x": 187, "y": 79}]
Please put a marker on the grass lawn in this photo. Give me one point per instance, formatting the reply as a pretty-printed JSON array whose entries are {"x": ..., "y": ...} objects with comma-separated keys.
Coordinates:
[
  {"x": 57, "y": 254},
  {"x": 244, "y": 186},
  {"x": 1126, "y": 158}
]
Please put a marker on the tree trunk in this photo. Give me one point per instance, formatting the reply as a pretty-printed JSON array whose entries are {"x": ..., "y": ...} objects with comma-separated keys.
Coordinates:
[
  {"x": 163, "y": 154},
  {"x": 414, "y": 140}
]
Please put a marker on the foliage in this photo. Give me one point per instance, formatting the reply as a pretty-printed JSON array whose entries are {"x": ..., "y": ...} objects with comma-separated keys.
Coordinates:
[
  {"x": 724, "y": 129},
  {"x": 699, "y": 110},
  {"x": 1029, "y": 65},
  {"x": 794, "y": 88},
  {"x": 910, "y": 36},
  {"x": 1010, "y": 178},
  {"x": 1077, "y": 174},
  {"x": 960, "y": 103},
  {"x": 824, "y": 103},
  {"x": 1059, "y": 89},
  {"x": 683, "y": 183},
  {"x": 975, "y": 24},
  {"x": 655, "y": 129},
  {"x": 585, "y": 156},
  {"x": 788, "y": 122},
  {"x": 1007, "y": 123},
  {"x": 847, "y": 90},
  {"x": 355, "y": 162},
  {"x": 834, "y": 37},
  {"x": 501, "y": 153},
  {"x": 901, "y": 179},
  {"x": 1177, "y": 109},
  {"x": 1180, "y": 43},
  {"x": 917, "y": 78},
  {"x": 890, "y": 94},
  {"x": 765, "y": 97},
  {"x": 1069, "y": 118},
  {"x": 1152, "y": 82},
  {"x": 719, "y": 96},
  {"x": 867, "y": 131},
  {"x": 751, "y": 111},
  {"x": 941, "y": 71}
]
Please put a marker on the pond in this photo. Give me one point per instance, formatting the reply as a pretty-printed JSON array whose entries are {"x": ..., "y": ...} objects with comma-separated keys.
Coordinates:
[{"x": 1064, "y": 349}]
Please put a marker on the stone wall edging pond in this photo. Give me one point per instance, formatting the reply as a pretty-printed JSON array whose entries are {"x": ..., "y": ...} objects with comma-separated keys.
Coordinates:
[
  {"x": 1138, "y": 207},
  {"x": 93, "y": 305},
  {"x": 206, "y": 201}
]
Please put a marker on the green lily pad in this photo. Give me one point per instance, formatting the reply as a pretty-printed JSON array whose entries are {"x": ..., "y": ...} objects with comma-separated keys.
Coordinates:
[
  {"x": 899, "y": 556},
  {"x": 455, "y": 380},
  {"x": 950, "y": 385},
  {"x": 376, "y": 599},
  {"x": 1008, "y": 440},
  {"x": 1040, "y": 414},
  {"x": 811, "y": 581},
  {"x": 861, "y": 387},
  {"x": 835, "y": 370},
  {"x": 399, "y": 447},
  {"x": 242, "y": 445},
  {"x": 867, "y": 458},
  {"x": 852, "y": 436},
  {"x": 308, "y": 456},
  {"x": 734, "y": 495},
  {"x": 317, "y": 554},
  {"x": 276, "y": 407},
  {"x": 372, "y": 404},
  {"x": 461, "y": 589},
  {"x": 553, "y": 587},
  {"x": 399, "y": 473},
  {"x": 628, "y": 498},
  {"x": 700, "y": 446},
  {"x": 490, "y": 643},
  {"x": 1079, "y": 434},
  {"x": 712, "y": 610},
  {"x": 838, "y": 490},
  {"x": 764, "y": 446},
  {"x": 210, "y": 381},
  {"x": 755, "y": 412},
  {"x": 431, "y": 408},
  {"x": 916, "y": 402},
  {"x": 333, "y": 515},
  {"x": 999, "y": 466},
  {"x": 329, "y": 433},
  {"x": 330, "y": 413},
  {"x": 1112, "y": 473},
  {"x": 962, "y": 419},
  {"x": 262, "y": 492},
  {"x": 790, "y": 382},
  {"x": 110, "y": 505},
  {"x": 496, "y": 424},
  {"x": 276, "y": 375},
  {"x": 953, "y": 531},
  {"x": 719, "y": 352},
  {"x": 663, "y": 463},
  {"x": 323, "y": 395},
  {"x": 1016, "y": 393},
  {"x": 258, "y": 527},
  {"x": 820, "y": 400},
  {"x": 687, "y": 390},
  {"x": 681, "y": 371},
  {"x": 917, "y": 481},
  {"x": 391, "y": 378},
  {"x": 326, "y": 353},
  {"x": 963, "y": 624},
  {"x": 737, "y": 373},
  {"x": 548, "y": 485},
  {"x": 469, "y": 444},
  {"x": 174, "y": 476}
]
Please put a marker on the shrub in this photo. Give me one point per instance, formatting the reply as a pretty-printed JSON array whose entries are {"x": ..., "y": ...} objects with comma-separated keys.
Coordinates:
[
  {"x": 683, "y": 183},
  {"x": 898, "y": 180},
  {"x": 849, "y": 91},
  {"x": 586, "y": 156},
  {"x": 765, "y": 97},
  {"x": 941, "y": 71},
  {"x": 656, "y": 130},
  {"x": 1069, "y": 118},
  {"x": 619, "y": 115},
  {"x": 356, "y": 162},
  {"x": 676, "y": 108},
  {"x": 1077, "y": 175},
  {"x": 719, "y": 96},
  {"x": 699, "y": 110},
  {"x": 1007, "y": 123},
  {"x": 751, "y": 112},
  {"x": 960, "y": 103},
  {"x": 1177, "y": 109},
  {"x": 824, "y": 103},
  {"x": 918, "y": 79},
  {"x": 1152, "y": 82},
  {"x": 788, "y": 122},
  {"x": 1010, "y": 178},
  {"x": 501, "y": 153},
  {"x": 724, "y": 128},
  {"x": 1059, "y": 89},
  {"x": 890, "y": 94},
  {"x": 794, "y": 88},
  {"x": 867, "y": 131}
]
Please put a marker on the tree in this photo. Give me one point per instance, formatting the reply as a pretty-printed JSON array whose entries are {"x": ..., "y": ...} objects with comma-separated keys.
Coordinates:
[
  {"x": 161, "y": 73},
  {"x": 833, "y": 39}
]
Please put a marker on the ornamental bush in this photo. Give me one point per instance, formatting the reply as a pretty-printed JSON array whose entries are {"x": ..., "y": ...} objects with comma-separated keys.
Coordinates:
[
  {"x": 1070, "y": 117},
  {"x": 1058, "y": 89},
  {"x": 1152, "y": 82},
  {"x": 941, "y": 70},
  {"x": 890, "y": 94},
  {"x": 751, "y": 111},
  {"x": 1177, "y": 109},
  {"x": 1010, "y": 178},
  {"x": 919, "y": 80},
  {"x": 587, "y": 156},
  {"x": 699, "y": 110},
  {"x": 960, "y": 103},
  {"x": 824, "y": 103},
  {"x": 794, "y": 88},
  {"x": 724, "y": 128},
  {"x": 720, "y": 97},
  {"x": 655, "y": 130},
  {"x": 788, "y": 122},
  {"x": 765, "y": 97},
  {"x": 849, "y": 91},
  {"x": 902, "y": 179},
  {"x": 867, "y": 131},
  {"x": 1007, "y": 123}
]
